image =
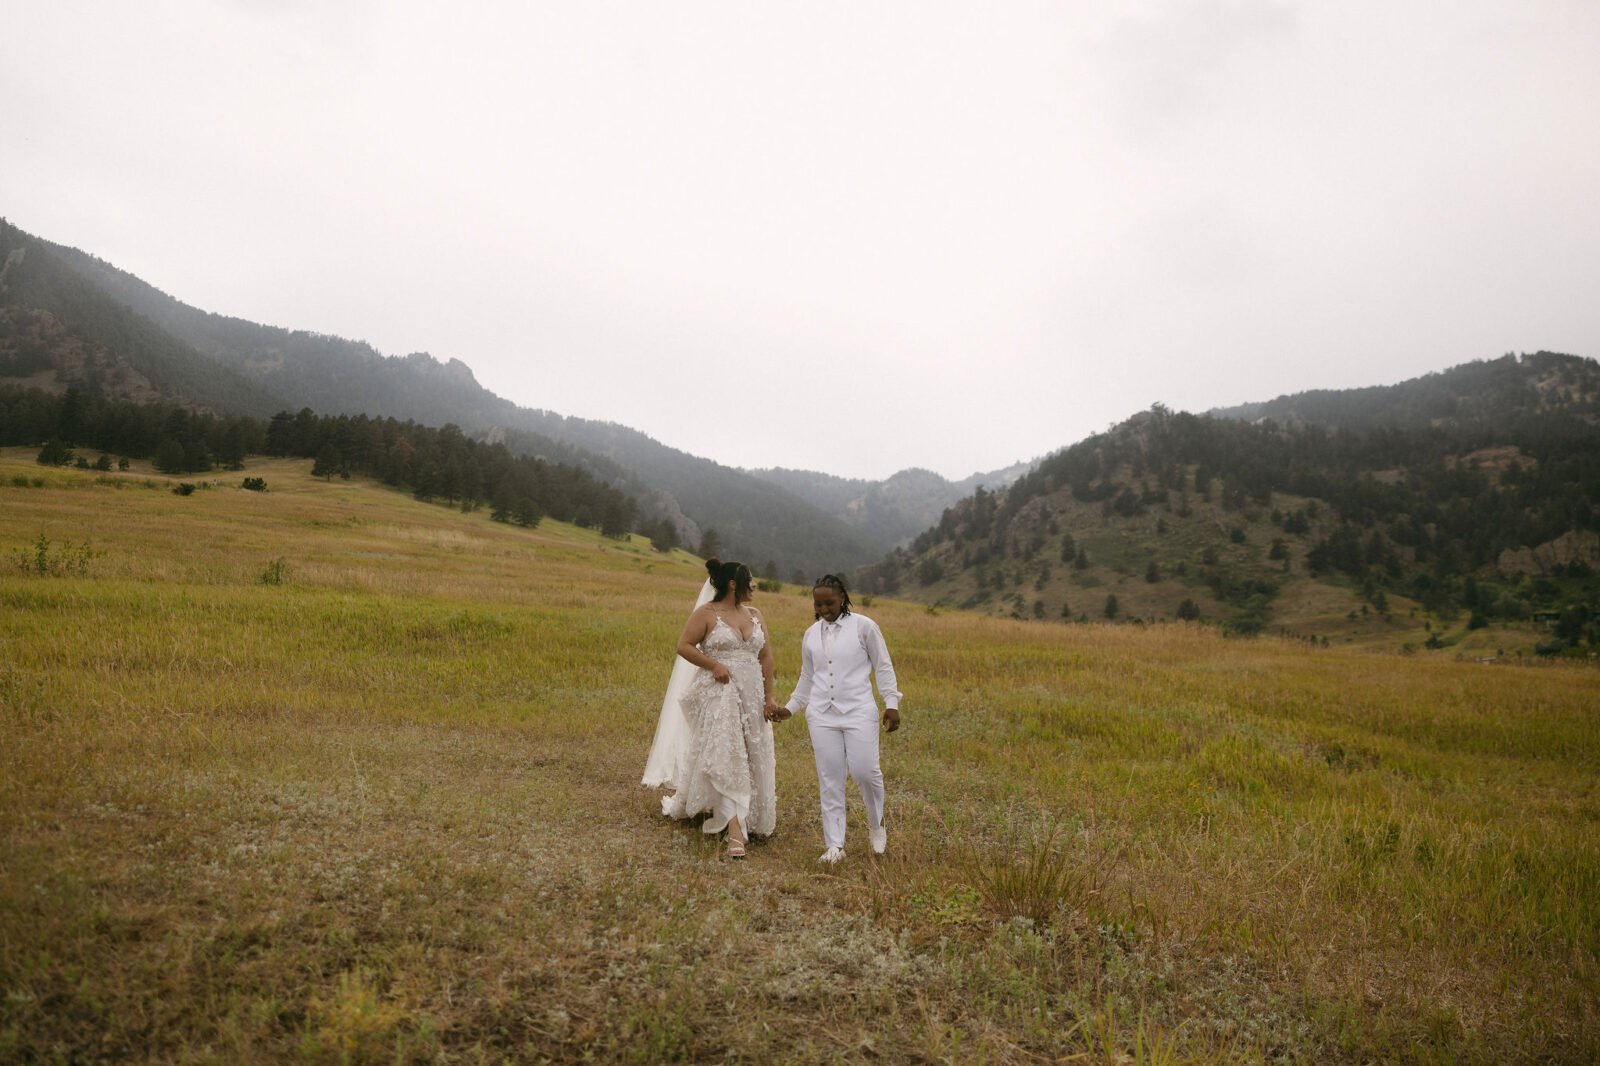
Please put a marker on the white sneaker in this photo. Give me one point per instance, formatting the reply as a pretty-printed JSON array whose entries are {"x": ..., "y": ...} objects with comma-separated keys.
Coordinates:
[
  {"x": 831, "y": 856},
  {"x": 879, "y": 838}
]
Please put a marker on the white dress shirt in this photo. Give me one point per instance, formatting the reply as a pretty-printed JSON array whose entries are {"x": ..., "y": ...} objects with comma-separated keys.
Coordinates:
[{"x": 838, "y": 661}]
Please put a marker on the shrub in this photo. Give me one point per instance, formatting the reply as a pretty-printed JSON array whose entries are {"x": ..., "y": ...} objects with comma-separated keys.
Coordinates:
[
  {"x": 183, "y": 488},
  {"x": 55, "y": 453},
  {"x": 255, "y": 484},
  {"x": 66, "y": 559},
  {"x": 38, "y": 559},
  {"x": 276, "y": 573}
]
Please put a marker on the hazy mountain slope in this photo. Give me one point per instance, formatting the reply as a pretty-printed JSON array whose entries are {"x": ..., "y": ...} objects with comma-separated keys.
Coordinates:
[
  {"x": 59, "y": 328},
  {"x": 331, "y": 375},
  {"x": 891, "y": 511},
  {"x": 757, "y": 521}
]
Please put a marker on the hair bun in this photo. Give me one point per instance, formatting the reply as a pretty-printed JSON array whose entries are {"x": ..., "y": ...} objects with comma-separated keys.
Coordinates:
[{"x": 713, "y": 565}]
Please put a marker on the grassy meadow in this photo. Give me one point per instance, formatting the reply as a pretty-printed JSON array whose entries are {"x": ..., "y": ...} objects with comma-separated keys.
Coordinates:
[{"x": 325, "y": 774}]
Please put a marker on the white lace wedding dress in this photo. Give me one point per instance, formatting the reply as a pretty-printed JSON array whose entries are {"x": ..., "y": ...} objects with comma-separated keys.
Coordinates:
[{"x": 727, "y": 767}]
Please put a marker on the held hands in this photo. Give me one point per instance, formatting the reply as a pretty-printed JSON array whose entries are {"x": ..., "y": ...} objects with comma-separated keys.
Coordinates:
[
  {"x": 891, "y": 719},
  {"x": 775, "y": 712}
]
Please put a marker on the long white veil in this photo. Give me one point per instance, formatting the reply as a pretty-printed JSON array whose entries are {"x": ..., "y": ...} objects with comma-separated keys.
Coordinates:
[{"x": 672, "y": 728}]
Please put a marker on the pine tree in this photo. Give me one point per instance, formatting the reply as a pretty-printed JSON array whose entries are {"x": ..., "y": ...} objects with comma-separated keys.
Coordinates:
[
  {"x": 55, "y": 453},
  {"x": 328, "y": 462},
  {"x": 169, "y": 458}
]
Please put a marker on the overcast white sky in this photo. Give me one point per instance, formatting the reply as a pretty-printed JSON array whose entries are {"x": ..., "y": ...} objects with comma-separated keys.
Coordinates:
[{"x": 879, "y": 234}]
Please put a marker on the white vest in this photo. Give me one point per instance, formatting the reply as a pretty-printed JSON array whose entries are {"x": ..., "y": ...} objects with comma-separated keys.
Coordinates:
[{"x": 841, "y": 682}]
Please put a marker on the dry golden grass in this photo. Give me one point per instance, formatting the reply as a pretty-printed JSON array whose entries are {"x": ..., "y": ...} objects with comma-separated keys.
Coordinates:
[{"x": 386, "y": 809}]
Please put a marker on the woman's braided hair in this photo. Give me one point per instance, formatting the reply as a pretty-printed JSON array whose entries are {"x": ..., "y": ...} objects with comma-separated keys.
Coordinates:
[{"x": 836, "y": 583}]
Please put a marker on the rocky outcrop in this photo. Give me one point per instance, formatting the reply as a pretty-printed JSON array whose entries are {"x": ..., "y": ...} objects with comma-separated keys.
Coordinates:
[{"x": 1576, "y": 546}]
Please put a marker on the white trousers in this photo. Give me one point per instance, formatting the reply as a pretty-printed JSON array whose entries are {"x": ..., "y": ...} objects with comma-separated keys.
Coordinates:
[{"x": 846, "y": 744}]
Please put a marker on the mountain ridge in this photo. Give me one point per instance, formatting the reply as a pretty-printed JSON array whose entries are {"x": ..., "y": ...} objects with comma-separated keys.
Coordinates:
[
  {"x": 896, "y": 508},
  {"x": 269, "y": 367},
  {"x": 1468, "y": 494},
  {"x": 56, "y": 319},
  {"x": 1225, "y": 513}
]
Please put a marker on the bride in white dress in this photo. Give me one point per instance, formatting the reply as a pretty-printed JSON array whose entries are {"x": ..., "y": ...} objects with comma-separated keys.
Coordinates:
[{"x": 713, "y": 744}]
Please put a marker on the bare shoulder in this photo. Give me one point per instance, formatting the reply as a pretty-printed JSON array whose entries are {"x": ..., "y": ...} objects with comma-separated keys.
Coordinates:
[{"x": 701, "y": 618}]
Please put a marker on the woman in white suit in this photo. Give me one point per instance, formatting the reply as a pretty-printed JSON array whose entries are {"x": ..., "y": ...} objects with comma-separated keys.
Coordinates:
[{"x": 839, "y": 656}]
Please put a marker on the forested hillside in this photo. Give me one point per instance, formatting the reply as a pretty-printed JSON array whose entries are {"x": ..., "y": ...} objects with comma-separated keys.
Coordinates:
[
  {"x": 55, "y": 324},
  {"x": 1453, "y": 491},
  {"x": 1498, "y": 397},
  {"x": 1472, "y": 493},
  {"x": 329, "y": 374},
  {"x": 755, "y": 521},
  {"x": 140, "y": 344},
  {"x": 433, "y": 464}
]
